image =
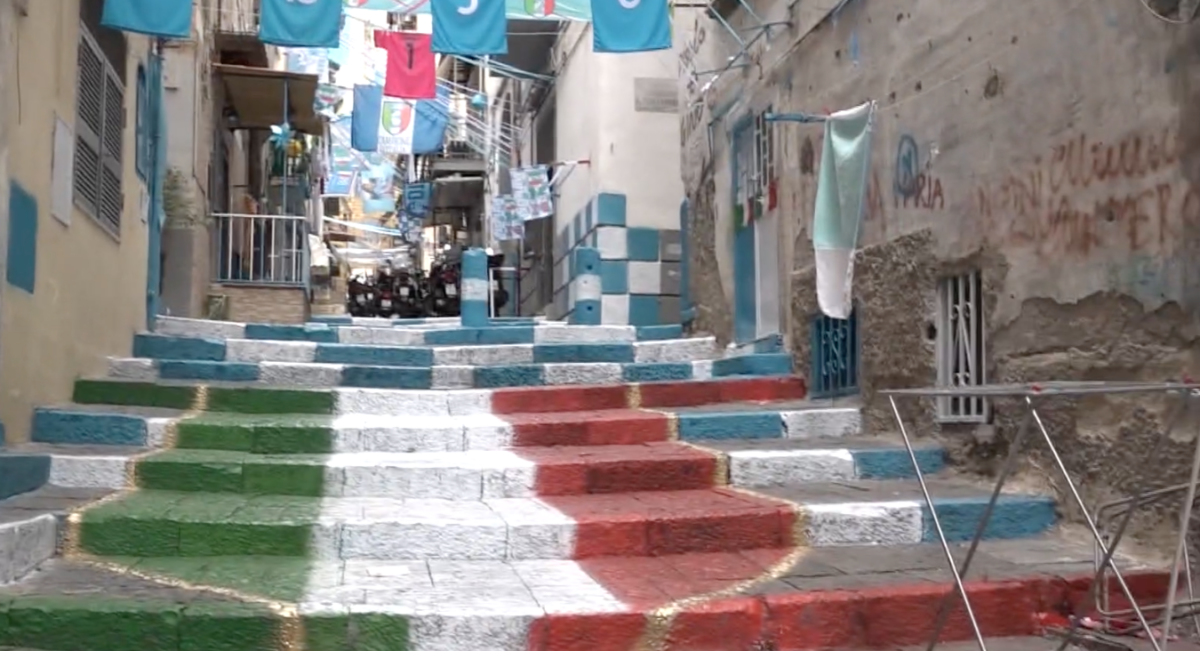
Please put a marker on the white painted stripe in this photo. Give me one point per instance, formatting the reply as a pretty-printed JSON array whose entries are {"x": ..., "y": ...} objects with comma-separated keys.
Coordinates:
[
  {"x": 436, "y": 475},
  {"x": 132, "y": 368},
  {"x": 381, "y": 336},
  {"x": 498, "y": 355},
  {"x": 391, "y": 402},
  {"x": 475, "y": 289},
  {"x": 587, "y": 287},
  {"x": 763, "y": 468},
  {"x": 702, "y": 369},
  {"x": 569, "y": 334},
  {"x": 157, "y": 431},
  {"x": 452, "y": 377},
  {"x": 556, "y": 374},
  {"x": 675, "y": 350},
  {"x": 864, "y": 523},
  {"x": 180, "y": 327},
  {"x": 289, "y": 374},
  {"x": 26, "y": 544},
  {"x": 254, "y": 350},
  {"x": 822, "y": 423},
  {"x": 89, "y": 470},
  {"x": 372, "y": 322}
]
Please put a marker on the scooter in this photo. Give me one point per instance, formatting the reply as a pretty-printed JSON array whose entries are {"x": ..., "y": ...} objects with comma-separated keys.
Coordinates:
[
  {"x": 360, "y": 297},
  {"x": 409, "y": 301},
  {"x": 442, "y": 298}
]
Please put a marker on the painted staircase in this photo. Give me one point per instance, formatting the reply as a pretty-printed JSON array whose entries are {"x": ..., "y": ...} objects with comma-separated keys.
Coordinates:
[{"x": 524, "y": 486}]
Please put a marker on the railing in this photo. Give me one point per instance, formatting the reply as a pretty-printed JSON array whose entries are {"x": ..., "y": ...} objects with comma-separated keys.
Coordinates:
[
  {"x": 512, "y": 285},
  {"x": 834, "y": 353},
  {"x": 236, "y": 16},
  {"x": 261, "y": 249}
]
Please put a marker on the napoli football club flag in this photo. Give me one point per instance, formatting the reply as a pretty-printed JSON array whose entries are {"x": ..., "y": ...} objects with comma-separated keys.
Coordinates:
[
  {"x": 165, "y": 18},
  {"x": 411, "y": 65},
  {"x": 469, "y": 27},
  {"x": 631, "y": 25},
  {"x": 301, "y": 23}
]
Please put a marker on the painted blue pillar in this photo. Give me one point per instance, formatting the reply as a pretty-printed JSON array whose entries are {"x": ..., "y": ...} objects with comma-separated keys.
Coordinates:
[
  {"x": 475, "y": 288},
  {"x": 585, "y": 287}
]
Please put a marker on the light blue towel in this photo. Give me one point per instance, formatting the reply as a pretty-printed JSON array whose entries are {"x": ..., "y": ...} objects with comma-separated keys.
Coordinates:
[{"x": 841, "y": 189}]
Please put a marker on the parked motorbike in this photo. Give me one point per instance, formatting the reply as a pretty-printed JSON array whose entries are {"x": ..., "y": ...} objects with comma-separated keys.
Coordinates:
[
  {"x": 445, "y": 274},
  {"x": 385, "y": 282},
  {"x": 409, "y": 297},
  {"x": 360, "y": 297}
]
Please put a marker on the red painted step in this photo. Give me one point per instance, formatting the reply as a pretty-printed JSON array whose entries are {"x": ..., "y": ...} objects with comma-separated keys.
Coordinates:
[
  {"x": 650, "y": 395},
  {"x": 605, "y": 469},
  {"x": 583, "y": 428}
]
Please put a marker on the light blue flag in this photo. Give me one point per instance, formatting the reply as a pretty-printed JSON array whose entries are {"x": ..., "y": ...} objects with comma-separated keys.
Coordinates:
[
  {"x": 165, "y": 18},
  {"x": 469, "y": 27},
  {"x": 366, "y": 118},
  {"x": 301, "y": 23},
  {"x": 631, "y": 25},
  {"x": 433, "y": 116},
  {"x": 841, "y": 188}
]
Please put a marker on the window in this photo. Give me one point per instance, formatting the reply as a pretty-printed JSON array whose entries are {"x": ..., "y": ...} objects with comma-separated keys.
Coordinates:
[
  {"x": 99, "y": 134},
  {"x": 143, "y": 152},
  {"x": 960, "y": 346}
]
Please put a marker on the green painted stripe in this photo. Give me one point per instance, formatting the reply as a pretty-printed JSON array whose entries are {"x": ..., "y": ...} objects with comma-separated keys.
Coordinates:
[
  {"x": 113, "y": 623},
  {"x": 217, "y": 471},
  {"x": 245, "y": 400},
  {"x": 172, "y": 524},
  {"x": 257, "y": 434}
]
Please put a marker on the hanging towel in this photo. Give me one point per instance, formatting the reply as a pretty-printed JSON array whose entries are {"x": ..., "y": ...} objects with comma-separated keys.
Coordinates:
[{"x": 841, "y": 187}]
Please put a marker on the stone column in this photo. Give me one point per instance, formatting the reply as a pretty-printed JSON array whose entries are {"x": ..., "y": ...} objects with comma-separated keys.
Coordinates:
[
  {"x": 585, "y": 287},
  {"x": 475, "y": 289}
]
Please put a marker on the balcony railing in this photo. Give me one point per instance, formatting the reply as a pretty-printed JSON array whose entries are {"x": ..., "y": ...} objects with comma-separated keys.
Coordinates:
[
  {"x": 261, "y": 249},
  {"x": 236, "y": 16}
]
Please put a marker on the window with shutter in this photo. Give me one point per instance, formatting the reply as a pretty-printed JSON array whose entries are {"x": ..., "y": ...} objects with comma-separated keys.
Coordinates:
[
  {"x": 142, "y": 150},
  {"x": 99, "y": 136}
]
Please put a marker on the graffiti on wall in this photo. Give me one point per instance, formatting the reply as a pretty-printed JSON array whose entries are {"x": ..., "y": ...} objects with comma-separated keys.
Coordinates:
[
  {"x": 914, "y": 186},
  {"x": 1085, "y": 195},
  {"x": 694, "y": 107}
]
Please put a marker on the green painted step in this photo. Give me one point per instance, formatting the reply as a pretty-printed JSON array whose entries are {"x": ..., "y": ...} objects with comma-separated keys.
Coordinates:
[
  {"x": 245, "y": 400},
  {"x": 155, "y": 523},
  {"x": 114, "y": 623},
  {"x": 219, "y": 471},
  {"x": 259, "y": 434}
]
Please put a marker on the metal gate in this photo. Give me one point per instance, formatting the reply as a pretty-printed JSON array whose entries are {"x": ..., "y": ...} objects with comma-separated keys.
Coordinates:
[{"x": 834, "y": 355}]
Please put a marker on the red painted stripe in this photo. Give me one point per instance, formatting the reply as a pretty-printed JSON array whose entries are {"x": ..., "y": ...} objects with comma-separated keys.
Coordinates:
[
  {"x": 690, "y": 394},
  {"x": 599, "y": 469},
  {"x": 611, "y": 427},
  {"x": 541, "y": 400},
  {"x": 871, "y": 618}
]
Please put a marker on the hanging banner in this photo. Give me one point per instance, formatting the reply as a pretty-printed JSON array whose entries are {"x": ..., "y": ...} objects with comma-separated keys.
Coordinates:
[
  {"x": 343, "y": 171},
  {"x": 631, "y": 25},
  {"x": 507, "y": 223},
  {"x": 411, "y": 65},
  {"x": 514, "y": 9},
  {"x": 365, "y": 120},
  {"x": 377, "y": 182},
  {"x": 433, "y": 117},
  {"x": 326, "y": 100},
  {"x": 469, "y": 27},
  {"x": 531, "y": 191},
  {"x": 309, "y": 61},
  {"x": 165, "y": 18},
  {"x": 396, "y": 124},
  {"x": 416, "y": 199},
  {"x": 307, "y": 23}
]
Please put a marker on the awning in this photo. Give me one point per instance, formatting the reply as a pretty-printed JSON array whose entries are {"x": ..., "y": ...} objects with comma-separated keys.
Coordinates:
[{"x": 257, "y": 95}]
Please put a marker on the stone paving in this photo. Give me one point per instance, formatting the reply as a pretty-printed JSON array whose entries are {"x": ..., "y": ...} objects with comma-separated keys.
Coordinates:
[{"x": 715, "y": 515}]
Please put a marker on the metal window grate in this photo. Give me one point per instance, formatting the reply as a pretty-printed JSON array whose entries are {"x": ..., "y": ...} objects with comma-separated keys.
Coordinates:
[
  {"x": 835, "y": 355},
  {"x": 99, "y": 136},
  {"x": 960, "y": 346}
]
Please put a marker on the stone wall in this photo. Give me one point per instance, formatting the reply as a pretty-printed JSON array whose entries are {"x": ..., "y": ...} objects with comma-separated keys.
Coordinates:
[
  {"x": 1048, "y": 145},
  {"x": 264, "y": 304}
]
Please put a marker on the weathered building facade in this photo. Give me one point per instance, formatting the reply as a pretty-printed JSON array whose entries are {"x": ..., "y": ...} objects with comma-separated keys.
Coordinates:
[{"x": 1035, "y": 170}]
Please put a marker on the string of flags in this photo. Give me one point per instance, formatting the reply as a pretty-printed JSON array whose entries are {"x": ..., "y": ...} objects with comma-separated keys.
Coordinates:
[
  {"x": 530, "y": 199},
  {"x": 460, "y": 27}
]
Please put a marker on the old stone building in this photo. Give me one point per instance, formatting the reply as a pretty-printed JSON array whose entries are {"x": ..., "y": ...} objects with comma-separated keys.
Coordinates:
[{"x": 1032, "y": 210}]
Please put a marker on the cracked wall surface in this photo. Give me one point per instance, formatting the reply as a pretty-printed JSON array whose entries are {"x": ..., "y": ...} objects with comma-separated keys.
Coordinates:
[{"x": 1049, "y": 145}]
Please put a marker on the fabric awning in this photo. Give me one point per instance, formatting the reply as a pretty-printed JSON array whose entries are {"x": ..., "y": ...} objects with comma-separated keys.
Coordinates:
[{"x": 257, "y": 94}]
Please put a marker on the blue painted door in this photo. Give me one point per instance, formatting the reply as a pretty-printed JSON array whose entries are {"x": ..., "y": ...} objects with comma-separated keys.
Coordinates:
[
  {"x": 745, "y": 317},
  {"x": 154, "y": 124}
]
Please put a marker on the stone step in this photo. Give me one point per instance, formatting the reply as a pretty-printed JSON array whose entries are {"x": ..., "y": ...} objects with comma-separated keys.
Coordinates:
[
  {"x": 296, "y": 374},
  {"x": 474, "y": 475},
  {"x": 103, "y": 425},
  {"x": 175, "y": 348},
  {"x": 161, "y": 523},
  {"x": 395, "y": 334},
  {"x": 798, "y": 600},
  {"x": 250, "y": 399}
]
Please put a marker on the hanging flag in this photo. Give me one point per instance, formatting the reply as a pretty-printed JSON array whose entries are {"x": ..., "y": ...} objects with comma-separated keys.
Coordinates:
[
  {"x": 326, "y": 100},
  {"x": 165, "y": 18},
  {"x": 366, "y": 118},
  {"x": 630, "y": 25},
  {"x": 301, "y": 23},
  {"x": 470, "y": 27},
  {"x": 396, "y": 123},
  {"x": 378, "y": 184},
  {"x": 539, "y": 8},
  {"x": 531, "y": 191},
  {"x": 433, "y": 116},
  {"x": 411, "y": 66},
  {"x": 416, "y": 199},
  {"x": 841, "y": 189},
  {"x": 343, "y": 171},
  {"x": 506, "y": 219}
]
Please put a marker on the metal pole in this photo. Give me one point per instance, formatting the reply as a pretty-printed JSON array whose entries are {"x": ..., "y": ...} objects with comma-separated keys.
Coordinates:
[
  {"x": 1185, "y": 521},
  {"x": 286, "y": 103},
  {"x": 484, "y": 72}
]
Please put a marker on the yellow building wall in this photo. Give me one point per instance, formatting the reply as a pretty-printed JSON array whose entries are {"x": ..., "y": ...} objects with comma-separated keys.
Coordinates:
[{"x": 90, "y": 291}]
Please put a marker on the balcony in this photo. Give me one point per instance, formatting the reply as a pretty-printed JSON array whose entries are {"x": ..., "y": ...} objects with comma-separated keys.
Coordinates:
[
  {"x": 236, "y": 29},
  {"x": 267, "y": 250}
]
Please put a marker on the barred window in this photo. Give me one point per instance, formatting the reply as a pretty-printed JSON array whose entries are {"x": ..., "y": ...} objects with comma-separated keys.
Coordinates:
[{"x": 99, "y": 135}]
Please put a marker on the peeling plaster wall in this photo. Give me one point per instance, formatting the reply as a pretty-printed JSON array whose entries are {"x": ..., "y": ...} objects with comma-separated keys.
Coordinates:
[{"x": 1051, "y": 145}]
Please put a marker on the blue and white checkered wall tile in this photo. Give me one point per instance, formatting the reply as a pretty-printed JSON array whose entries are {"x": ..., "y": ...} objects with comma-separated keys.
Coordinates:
[{"x": 640, "y": 269}]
